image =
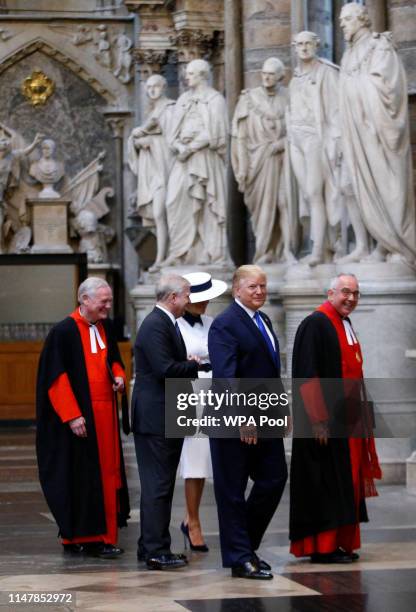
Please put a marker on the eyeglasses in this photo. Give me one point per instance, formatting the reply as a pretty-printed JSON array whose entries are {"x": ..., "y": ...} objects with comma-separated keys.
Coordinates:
[{"x": 348, "y": 293}]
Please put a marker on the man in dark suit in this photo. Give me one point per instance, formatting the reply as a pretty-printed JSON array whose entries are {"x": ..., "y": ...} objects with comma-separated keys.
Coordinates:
[
  {"x": 242, "y": 344},
  {"x": 159, "y": 353}
]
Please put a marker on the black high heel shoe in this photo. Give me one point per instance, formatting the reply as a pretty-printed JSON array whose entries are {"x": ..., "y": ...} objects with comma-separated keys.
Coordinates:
[{"x": 196, "y": 547}]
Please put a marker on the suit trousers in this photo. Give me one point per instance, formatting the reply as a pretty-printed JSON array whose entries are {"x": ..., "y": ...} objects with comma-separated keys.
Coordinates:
[
  {"x": 242, "y": 521},
  {"x": 157, "y": 460}
]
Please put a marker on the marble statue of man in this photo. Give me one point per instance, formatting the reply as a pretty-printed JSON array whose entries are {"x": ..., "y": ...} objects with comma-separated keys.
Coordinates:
[
  {"x": 47, "y": 170},
  {"x": 196, "y": 198},
  {"x": 314, "y": 140},
  {"x": 10, "y": 169},
  {"x": 257, "y": 155},
  {"x": 375, "y": 134},
  {"x": 150, "y": 159}
]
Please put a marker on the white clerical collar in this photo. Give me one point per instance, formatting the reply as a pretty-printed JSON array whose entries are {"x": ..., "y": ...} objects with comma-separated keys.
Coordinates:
[
  {"x": 94, "y": 335},
  {"x": 250, "y": 312},
  {"x": 166, "y": 311},
  {"x": 349, "y": 332}
]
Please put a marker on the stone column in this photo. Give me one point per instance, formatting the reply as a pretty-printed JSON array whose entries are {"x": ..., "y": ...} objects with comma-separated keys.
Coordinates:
[
  {"x": 299, "y": 16},
  {"x": 233, "y": 57},
  {"x": 152, "y": 43},
  {"x": 116, "y": 121},
  {"x": 266, "y": 32},
  {"x": 377, "y": 9},
  {"x": 198, "y": 34}
]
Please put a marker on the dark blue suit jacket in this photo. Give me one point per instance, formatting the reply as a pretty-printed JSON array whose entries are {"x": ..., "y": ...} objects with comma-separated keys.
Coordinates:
[
  {"x": 237, "y": 348},
  {"x": 158, "y": 354}
]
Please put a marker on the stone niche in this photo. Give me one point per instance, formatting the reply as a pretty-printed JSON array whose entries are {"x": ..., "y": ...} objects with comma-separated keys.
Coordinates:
[{"x": 71, "y": 117}]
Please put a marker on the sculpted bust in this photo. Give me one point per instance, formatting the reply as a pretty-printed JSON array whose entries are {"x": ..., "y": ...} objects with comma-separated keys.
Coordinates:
[{"x": 47, "y": 170}]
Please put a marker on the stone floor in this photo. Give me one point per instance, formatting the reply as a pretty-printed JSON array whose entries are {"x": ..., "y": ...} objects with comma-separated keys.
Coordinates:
[{"x": 31, "y": 560}]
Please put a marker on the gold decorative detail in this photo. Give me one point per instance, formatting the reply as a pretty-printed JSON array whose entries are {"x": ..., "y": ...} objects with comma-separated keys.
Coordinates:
[{"x": 38, "y": 88}]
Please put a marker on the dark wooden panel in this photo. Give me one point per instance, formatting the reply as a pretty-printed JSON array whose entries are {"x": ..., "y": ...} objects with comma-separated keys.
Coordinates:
[{"x": 18, "y": 368}]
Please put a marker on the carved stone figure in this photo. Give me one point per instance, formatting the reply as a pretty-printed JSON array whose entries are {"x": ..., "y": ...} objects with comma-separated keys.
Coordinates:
[
  {"x": 10, "y": 169},
  {"x": 196, "y": 198},
  {"x": 257, "y": 155},
  {"x": 151, "y": 159},
  {"x": 47, "y": 170},
  {"x": 94, "y": 236},
  {"x": 375, "y": 133},
  {"x": 88, "y": 206},
  {"x": 123, "y": 58},
  {"x": 82, "y": 35},
  {"x": 103, "y": 53},
  {"x": 314, "y": 140}
]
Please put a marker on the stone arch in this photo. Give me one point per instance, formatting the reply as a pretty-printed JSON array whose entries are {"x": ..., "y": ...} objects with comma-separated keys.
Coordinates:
[{"x": 103, "y": 82}]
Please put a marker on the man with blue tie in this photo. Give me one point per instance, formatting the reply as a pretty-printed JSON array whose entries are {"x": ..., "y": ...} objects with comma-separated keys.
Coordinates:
[{"x": 242, "y": 344}]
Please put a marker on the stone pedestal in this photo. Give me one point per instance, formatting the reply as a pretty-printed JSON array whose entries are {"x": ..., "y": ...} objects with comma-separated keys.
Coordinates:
[
  {"x": 385, "y": 322},
  {"x": 49, "y": 221}
]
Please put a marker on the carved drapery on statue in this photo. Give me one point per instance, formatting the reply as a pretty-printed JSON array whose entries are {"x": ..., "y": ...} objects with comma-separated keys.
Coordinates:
[
  {"x": 375, "y": 133},
  {"x": 196, "y": 195},
  {"x": 150, "y": 159},
  {"x": 22, "y": 183},
  {"x": 259, "y": 163}
]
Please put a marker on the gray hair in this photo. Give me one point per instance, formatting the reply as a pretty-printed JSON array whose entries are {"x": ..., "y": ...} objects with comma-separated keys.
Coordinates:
[
  {"x": 90, "y": 287},
  {"x": 312, "y": 35},
  {"x": 276, "y": 65},
  {"x": 361, "y": 11},
  {"x": 201, "y": 66},
  {"x": 334, "y": 281},
  {"x": 157, "y": 78},
  {"x": 169, "y": 283}
]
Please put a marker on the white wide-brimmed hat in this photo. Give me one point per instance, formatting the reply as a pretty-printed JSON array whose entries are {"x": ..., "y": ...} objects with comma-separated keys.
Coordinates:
[{"x": 204, "y": 287}]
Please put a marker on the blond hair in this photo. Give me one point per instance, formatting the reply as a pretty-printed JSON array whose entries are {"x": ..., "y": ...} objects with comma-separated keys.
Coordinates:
[{"x": 245, "y": 271}]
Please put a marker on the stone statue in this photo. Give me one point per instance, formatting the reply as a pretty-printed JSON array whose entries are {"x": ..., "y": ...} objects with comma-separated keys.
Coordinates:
[
  {"x": 103, "y": 53},
  {"x": 10, "y": 169},
  {"x": 257, "y": 155},
  {"x": 123, "y": 58},
  {"x": 196, "y": 198},
  {"x": 88, "y": 206},
  {"x": 314, "y": 140},
  {"x": 47, "y": 170},
  {"x": 94, "y": 236},
  {"x": 151, "y": 159},
  {"x": 375, "y": 133}
]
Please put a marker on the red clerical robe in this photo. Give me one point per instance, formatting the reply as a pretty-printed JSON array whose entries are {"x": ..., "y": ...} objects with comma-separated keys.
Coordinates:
[
  {"x": 105, "y": 418},
  {"x": 363, "y": 457}
]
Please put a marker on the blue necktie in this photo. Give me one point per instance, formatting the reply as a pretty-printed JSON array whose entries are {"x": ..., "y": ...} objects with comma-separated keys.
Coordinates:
[{"x": 274, "y": 353}]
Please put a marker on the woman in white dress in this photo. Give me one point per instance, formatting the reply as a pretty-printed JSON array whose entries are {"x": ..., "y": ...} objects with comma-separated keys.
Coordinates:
[{"x": 195, "y": 464}]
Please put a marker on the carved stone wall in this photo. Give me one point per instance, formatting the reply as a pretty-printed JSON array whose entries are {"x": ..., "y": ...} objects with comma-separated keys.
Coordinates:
[{"x": 266, "y": 32}]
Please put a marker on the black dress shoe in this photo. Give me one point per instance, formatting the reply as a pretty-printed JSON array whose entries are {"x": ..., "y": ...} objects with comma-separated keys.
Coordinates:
[
  {"x": 261, "y": 564},
  {"x": 354, "y": 556},
  {"x": 106, "y": 551},
  {"x": 333, "y": 557},
  {"x": 166, "y": 562},
  {"x": 75, "y": 549},
  {"x": 250, "y": 570}
]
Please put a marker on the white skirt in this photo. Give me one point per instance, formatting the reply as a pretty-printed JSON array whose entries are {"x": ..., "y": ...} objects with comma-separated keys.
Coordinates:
[{"x": 196, "y": 458}]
